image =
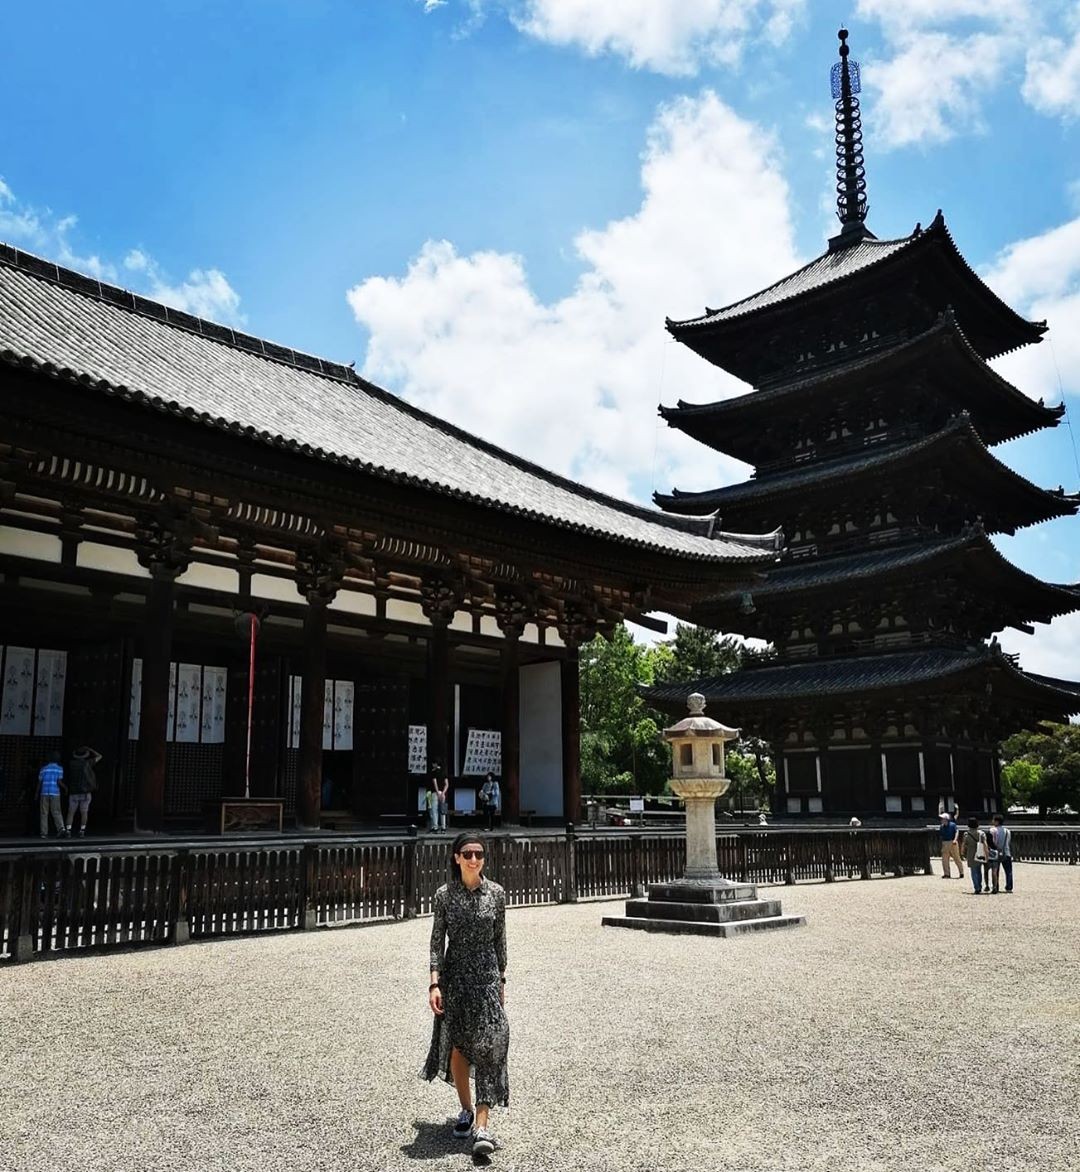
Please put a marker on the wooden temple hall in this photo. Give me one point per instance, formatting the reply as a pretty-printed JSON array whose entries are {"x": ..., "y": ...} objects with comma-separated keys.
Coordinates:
[
  {"x": 170, "y": 487},
  {"x": 870, "y": 426}
]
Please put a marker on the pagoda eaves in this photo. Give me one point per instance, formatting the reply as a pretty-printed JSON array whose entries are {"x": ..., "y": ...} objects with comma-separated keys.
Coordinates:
[
  {"x": 955, "y": 453},
  {"x": 813, "y": 311},
  {"x": 942, "y": 362}
]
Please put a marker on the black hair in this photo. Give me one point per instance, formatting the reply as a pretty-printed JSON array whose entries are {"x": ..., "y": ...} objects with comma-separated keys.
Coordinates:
[
  {"x": 973, "y": 823},
  {"x": 466, "y": 836}
]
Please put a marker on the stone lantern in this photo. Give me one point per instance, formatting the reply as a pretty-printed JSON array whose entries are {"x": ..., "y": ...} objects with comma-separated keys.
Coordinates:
[
  {"x": 697, "y": 776},
  {"x": 702, "y": 901}
]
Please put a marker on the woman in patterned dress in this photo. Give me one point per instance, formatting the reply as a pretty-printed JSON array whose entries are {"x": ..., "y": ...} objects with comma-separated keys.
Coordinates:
[{"x": 467, "y": 992}]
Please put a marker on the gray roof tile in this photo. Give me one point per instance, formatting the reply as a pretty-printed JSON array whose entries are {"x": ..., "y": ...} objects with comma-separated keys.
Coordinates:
[{"x": 75, "y": 327}]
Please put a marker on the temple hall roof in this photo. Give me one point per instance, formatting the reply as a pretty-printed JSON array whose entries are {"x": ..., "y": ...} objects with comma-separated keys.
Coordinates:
[{"x": 116, "y": 343}]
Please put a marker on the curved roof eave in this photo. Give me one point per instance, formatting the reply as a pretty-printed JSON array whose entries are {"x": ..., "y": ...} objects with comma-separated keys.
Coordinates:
[
  {"x": 898, "y": 250},
  {"x": 959, "y": 429},
  {"x": 946, "y": 330}
]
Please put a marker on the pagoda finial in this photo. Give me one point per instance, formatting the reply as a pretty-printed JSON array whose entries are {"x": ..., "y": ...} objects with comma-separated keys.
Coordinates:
[{"x": 851, "y": 205}]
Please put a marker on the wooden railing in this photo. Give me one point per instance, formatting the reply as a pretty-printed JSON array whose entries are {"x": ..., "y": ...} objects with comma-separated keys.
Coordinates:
[{"x": 70, "y": 897}]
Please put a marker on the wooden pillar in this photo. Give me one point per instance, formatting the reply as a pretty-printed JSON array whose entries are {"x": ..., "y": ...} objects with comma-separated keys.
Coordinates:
[
  {"x": 439, "y": 697},
  {"x": 309, "y": 780},
  {"x": 571, "y": 735},
  {"x": 156, "y": 646},
  {"x": 319, "y": 573},
  {"x": 511, "y": 729},
  {"x": 441, "y": 596}
]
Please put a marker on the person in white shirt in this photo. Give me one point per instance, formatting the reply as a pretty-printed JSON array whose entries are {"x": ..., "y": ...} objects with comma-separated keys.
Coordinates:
[{"x": 1001, "y": 837}]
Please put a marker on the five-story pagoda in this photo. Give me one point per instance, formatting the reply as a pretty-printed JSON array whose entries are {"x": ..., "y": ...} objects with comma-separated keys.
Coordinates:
[{"x": 870, "y": 424}]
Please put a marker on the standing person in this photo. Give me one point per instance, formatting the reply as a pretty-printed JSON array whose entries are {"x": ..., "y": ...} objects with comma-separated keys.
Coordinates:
[
  {"x": 431, "y": 803},
  {"x": 50, "y": 783},
  {"x": 467, "y": 993},
  {"x": 1003, "y": 839},
  {"x": 490, "y": 799},
  {"x": 975, "y": 852},
  {"x": 81, "y": 783},
  {"x": 949, "y": 834},
  {"x": 442, "y": 790}
]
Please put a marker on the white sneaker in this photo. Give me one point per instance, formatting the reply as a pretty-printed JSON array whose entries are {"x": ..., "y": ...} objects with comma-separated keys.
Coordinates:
[{"x": 484, "y": 1143}]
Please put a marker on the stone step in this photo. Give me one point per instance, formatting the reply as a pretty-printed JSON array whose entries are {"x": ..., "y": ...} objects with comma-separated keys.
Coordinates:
[
  {"x": 704, "y": 928},
  {"x": 733, "y": 909},
  {"x": 684, "y": 892}
]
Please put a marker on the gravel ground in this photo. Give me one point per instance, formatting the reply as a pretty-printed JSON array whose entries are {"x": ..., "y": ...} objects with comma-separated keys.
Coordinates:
[{"x": 862, "y": 1041}]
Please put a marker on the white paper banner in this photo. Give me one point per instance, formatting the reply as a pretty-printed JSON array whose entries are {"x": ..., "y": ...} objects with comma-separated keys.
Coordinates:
[
  {"x": 17, "y": 697},
  {"x": 418, "y": 748},
  {"x": 343, "y": 714},
  {"x": 295, "y": 688},
  {"x": 49, "y": 697},
  {"x": 214, "y": 683},
  {"x": 170, "y": 723},
  {"x": 188, "y": 702},
  {"x": 135, "y": 703},
  {"x": 483, "y": 752},
  {"x": 328, "y": 714}
]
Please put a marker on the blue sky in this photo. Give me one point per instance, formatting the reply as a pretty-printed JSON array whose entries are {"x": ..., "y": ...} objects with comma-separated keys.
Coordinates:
[{"x": 491, "y": 205}]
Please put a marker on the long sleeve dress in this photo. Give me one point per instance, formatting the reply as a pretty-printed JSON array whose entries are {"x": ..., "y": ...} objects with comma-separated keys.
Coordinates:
[{"x": 469, "y": 967}]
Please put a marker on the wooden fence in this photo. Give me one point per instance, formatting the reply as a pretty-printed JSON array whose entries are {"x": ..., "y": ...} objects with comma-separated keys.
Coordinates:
[{"x": 69, "y": 897}]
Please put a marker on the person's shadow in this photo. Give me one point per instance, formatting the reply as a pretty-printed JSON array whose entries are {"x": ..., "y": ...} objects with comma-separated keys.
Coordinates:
[{"x": 435, "y": 1139}]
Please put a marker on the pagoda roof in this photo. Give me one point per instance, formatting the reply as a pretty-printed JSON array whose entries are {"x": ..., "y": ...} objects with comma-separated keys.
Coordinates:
[
  {"x": 115, "y": 343},
  {"x": 971, "y": 553},
  {"x": 849, "y": 269},
  {"x": 920, "y": 669},
  {"x": 955, "y": 448},
  {"x": 998, "y": 409}
]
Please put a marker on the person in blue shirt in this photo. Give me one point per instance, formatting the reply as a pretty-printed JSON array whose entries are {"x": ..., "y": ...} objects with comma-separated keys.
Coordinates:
[
  {"x": 50, "y": 783},
  {"x": 950, "y": 846}
]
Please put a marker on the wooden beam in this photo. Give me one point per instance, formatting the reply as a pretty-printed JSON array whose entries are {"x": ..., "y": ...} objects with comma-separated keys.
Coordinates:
[{"x": 511, "y": 731}]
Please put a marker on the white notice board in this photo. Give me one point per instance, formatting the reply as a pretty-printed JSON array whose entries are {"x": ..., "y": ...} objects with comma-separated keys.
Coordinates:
[{"x": 483, "y": 752}]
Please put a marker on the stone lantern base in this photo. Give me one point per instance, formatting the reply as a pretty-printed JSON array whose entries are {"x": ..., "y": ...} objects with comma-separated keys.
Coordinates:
[{"x": 704, "y": 907}]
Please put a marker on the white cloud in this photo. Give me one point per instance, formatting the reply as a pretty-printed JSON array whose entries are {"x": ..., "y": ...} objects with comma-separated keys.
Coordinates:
[
  {"x": 574, "y": 384},
  {"x": 932, "y": 87},
  {"x": 1052, "y": 76},
  {"x": 675, "y": 37},
  {"x": 205, "y": 292},
  {"x": 944, "y": 56},
  {"x": 1053, "y": 650},
  {"x": 1040, "y": 277}
]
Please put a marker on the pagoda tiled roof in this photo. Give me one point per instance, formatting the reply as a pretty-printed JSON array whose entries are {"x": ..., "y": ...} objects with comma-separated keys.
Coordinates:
[
  {"x": 827, "y": 269},
  {"x": 999, "y": 410},
  {"x": 1033, "y": 503},
  {"x": 922, "y": 668},
  {"x": 115, "y": 343},
  {"x": 972, "y": 550},
  {"x": 848, "y": 263}
]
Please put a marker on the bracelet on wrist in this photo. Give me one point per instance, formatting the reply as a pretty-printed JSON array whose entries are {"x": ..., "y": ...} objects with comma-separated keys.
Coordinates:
[
  {"x": 433, "y": 985},
  {"x": 502, "y": 980}
]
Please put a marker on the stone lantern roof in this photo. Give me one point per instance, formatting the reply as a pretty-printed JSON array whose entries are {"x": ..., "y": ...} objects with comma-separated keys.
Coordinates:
[{"x": 697, "y": 724}]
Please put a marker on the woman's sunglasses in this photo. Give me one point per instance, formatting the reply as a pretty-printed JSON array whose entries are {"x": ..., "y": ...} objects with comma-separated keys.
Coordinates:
[{"x": 472, "y": 854}]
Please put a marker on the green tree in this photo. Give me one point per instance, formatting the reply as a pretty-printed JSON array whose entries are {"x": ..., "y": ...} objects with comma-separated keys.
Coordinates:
[
  {"x": 1044, "y": 766},
  {"x": 695, "y": 653},
  {"x": 621, "y": 746}
]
